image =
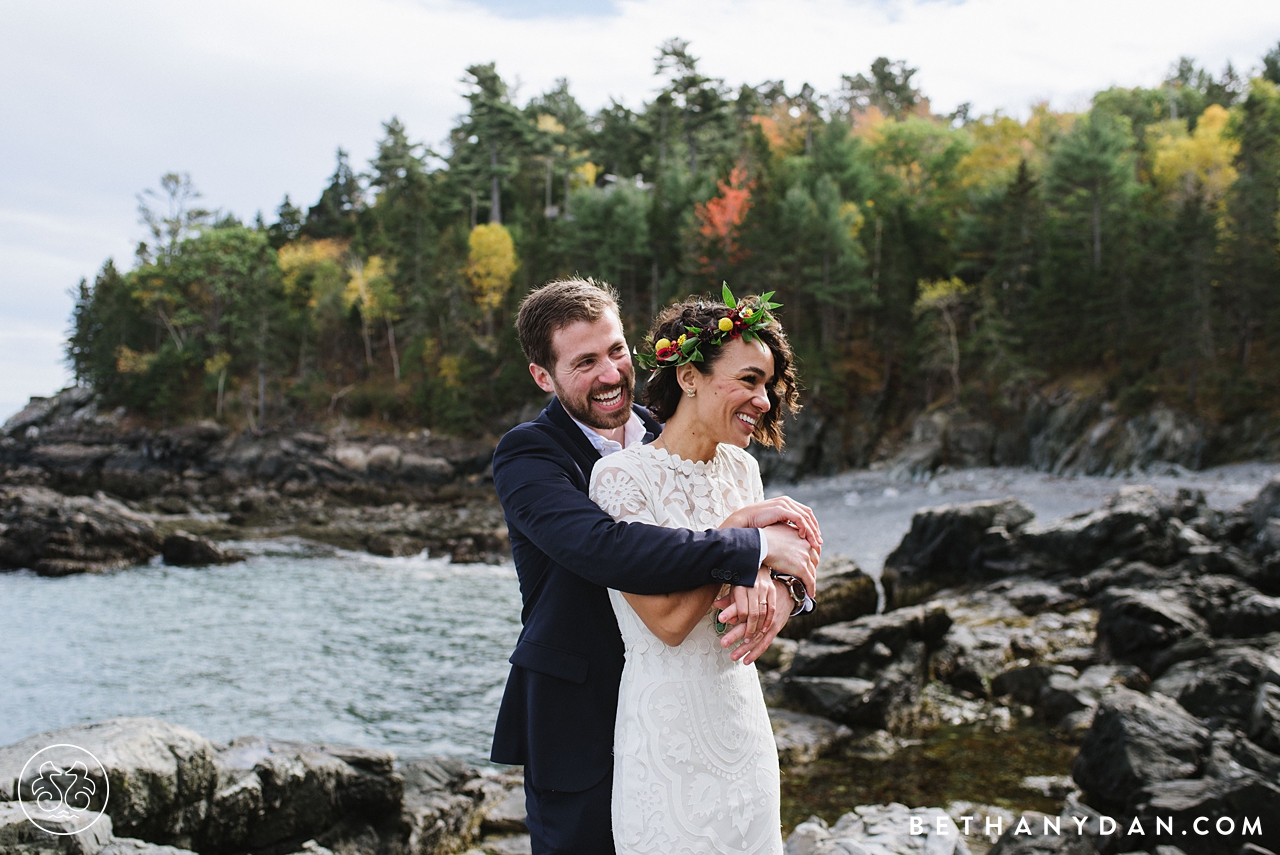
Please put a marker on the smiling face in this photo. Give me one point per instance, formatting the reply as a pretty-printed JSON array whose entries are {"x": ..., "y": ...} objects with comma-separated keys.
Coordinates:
[
  {"x": 730, "y": 400},
  {"x": 593, "y": 376}
]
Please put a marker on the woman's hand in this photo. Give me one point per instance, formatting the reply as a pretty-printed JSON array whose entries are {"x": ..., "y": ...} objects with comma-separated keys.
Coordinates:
[
  {"x": 783, "y": 509},
  {"x": 759, "y": 604}
]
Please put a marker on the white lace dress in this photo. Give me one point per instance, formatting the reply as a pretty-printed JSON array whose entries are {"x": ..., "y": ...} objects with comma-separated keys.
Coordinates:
[{"x": 695, "y": 762}]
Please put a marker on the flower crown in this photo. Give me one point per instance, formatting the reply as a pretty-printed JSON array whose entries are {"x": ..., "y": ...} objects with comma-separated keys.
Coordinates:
[{"x": 744, "y": 318}]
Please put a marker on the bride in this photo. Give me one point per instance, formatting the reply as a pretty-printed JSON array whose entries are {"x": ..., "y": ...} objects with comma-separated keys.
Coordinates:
[{"x": 695, "y": 763}]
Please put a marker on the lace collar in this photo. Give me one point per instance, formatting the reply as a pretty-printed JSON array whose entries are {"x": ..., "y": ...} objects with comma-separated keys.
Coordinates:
[{"x": 689, "y": 467}]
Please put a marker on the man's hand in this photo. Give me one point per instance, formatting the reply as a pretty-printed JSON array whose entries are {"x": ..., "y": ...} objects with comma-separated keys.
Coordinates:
[
  {"x": 790, "y": 553},
  {"x": 783, "y": 509},
  {"x": 754, "y": 646}
]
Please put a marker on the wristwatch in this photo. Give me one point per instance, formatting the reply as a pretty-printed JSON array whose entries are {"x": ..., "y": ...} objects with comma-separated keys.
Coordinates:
[{"x": 803, "y": 602}]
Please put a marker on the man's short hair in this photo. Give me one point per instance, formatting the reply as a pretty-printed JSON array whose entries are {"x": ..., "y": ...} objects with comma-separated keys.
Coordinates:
[{"x": 555, "y": 306}]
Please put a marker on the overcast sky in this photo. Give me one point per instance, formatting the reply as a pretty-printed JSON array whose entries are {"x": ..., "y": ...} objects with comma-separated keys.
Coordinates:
[{"x": 252, "y": 97}]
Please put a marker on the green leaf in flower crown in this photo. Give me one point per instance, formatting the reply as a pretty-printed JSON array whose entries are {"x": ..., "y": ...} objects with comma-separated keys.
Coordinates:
[
  {"x": 696, "y": 356},
  {"x": 727, "y": 294},
  {"x": 764, "y": 298},
  {"x": 690, "y": 344},
  {"x": 693, "y": 330},
  {"x": 748, "y": 336}
]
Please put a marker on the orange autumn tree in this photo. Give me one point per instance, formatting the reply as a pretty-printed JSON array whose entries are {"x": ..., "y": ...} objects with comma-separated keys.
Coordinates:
[{"x": 719, "y": 219}]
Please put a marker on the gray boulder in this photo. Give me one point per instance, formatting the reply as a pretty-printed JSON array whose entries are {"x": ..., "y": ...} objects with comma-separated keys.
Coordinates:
[
  {"x": 862, "y": 647},
  {"x": 1266, "y": 505},
  {"x": 275, "y": 794},
  {"x": 889, "y": 702},
  {"x": 1134, "y": 626},
  {"x": 879, "y": 830},
  {"x": 183, "y": 549},
  {"x": 1264, "y": 718},
  {"x": 943, "y": 545},
  {"x": 1132, "y": 525},
  {"x": 804, "y": 738},
  {"x": 1224, "y": 804},
  {"x": 1136, "y": 740},
  {"x": 1225, "y": 683},
  {"x": 441, "y": 806},
  {"x": 161, "y": 775},
  {"x": 58, "y": 535}
]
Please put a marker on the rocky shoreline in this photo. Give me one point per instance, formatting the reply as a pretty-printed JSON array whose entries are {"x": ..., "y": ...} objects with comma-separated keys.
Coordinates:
[
  {"x": 1146, "y": 632},
  {"x": 84, "y": 491}
]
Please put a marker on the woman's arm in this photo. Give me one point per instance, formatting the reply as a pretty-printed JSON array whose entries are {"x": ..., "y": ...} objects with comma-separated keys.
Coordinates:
[{"x": 671, "y": 617}]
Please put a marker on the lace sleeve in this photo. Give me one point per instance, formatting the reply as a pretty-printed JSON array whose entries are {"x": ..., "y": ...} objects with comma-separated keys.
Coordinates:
[{"x": 615, "y": 488}]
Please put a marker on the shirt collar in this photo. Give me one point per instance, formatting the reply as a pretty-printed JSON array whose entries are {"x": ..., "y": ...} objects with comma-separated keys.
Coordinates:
[{"x": 632, "y": 433}]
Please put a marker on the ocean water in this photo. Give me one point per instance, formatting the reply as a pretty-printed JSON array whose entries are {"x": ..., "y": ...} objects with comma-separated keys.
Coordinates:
[
  {"x": 410, "y": 654},
  {"x": 297, "y": 642}
]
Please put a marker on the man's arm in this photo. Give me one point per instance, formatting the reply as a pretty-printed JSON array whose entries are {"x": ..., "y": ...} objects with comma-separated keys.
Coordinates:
[{"x": 541, "y": 499}]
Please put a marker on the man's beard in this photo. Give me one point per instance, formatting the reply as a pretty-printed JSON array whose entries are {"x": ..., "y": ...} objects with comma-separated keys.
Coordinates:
[{"x": 582, "y": 409}]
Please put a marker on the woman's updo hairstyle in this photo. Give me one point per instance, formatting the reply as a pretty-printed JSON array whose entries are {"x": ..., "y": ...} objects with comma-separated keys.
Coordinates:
[{"x": 662, "y": 393}]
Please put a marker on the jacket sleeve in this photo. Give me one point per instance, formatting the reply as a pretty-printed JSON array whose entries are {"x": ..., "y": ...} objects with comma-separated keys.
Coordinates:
[{"x": 541, "y": 501}]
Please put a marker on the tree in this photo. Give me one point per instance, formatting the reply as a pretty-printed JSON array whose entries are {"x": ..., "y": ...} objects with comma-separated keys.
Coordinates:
[
  {"x": 889, "y": 90},
  {"x": 1250, "y": 242},
  {"x": 335, "y": 214},
  {"x": 943, "y": 298},
  {"x": 491, "y": 264},
  {"x": 492, "y": 135},
  {"x": 177, "y": 219}
]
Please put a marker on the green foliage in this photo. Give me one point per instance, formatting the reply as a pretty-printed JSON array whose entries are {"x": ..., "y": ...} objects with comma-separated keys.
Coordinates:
[{"x": 919, "y": 258}]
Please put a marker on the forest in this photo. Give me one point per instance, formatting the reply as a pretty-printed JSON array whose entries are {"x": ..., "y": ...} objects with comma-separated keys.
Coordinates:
[{"x": 922, "y": 260}]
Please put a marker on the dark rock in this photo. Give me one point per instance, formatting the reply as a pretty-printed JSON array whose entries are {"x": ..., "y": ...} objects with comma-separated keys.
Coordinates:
[
  {"x": 1133, "y": 626},
  {"x": 1132, "y": 525},
  {"x": 942, "y": 546},
  {"x": 1024, "y": 683},
  {"x": 1232, "y": 754},
  {"x": 508, "y": 814},
  {"x": 844, "y": 593},
  {"x": 417, "y": 469},
  {"x": 860, "y": 648},
  {"x": 1222, "y": 684},
  {"x": 1232, "y": 607},
  {"x": 183, "y": 549},
  {"x": 273, "y": 795},
  {"x": 888, "y": 702},
  {"x": 804, "y": 738},
  {"x": 440, "y": 806},
  {"x": 58, "y": 535},
  {"x": 1264, "y": 718},
  {"x": 1265, "y": 506},
  {"x": 1228, "y": 802},
  {"x": 1137, "y": 740},
  {"x": 969, "y": 443},
  {"x": 1032, "y": 596},
  {"x": 917, "y": 461},
  {"x": 1055, "y": 425},
  {"x": 970, "y": 659},
  {"x": 161, "y": 775}
]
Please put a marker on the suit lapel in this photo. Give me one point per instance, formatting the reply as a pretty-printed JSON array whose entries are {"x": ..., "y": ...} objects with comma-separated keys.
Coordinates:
[{"x": 583, "y": 451}]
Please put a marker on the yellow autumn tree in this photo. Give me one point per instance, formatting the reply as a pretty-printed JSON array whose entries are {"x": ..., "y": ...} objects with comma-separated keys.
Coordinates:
[
  {"x": 371, "y": 290},
  {"x": 491, "y": 264},
  {"x": 943, "y": 298},
  {"x": 1198, "y": 165}
]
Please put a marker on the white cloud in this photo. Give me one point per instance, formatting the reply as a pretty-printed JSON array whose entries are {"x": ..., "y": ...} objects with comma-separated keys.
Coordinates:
[{"x": 253, "y": 97}]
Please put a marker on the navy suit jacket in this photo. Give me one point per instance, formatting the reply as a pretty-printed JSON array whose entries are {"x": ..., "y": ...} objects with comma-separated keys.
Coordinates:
[{"x": 561, "y": 699}]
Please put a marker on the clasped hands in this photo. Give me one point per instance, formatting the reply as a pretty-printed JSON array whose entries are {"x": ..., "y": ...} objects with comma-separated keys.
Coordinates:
[{"x": 794, "y": 544}]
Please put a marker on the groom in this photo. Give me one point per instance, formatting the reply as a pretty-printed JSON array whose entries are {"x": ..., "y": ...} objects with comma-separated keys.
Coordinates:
[{"x": 557, "y": 713}]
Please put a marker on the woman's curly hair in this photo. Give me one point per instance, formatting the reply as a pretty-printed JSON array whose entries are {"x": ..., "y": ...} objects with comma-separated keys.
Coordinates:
[{"x": 662, "y": 393}]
